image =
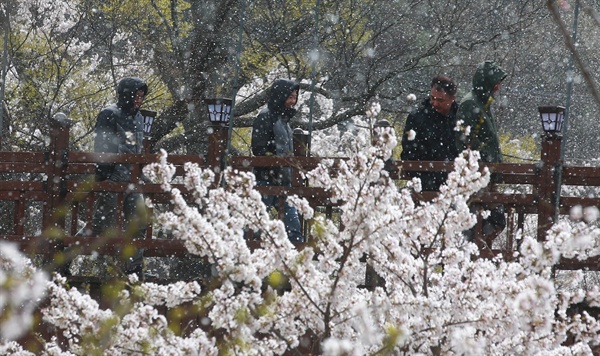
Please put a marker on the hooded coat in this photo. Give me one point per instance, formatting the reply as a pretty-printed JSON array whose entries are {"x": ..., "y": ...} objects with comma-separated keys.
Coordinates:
[
  {"x": 272, "y": 134},
  {"x": 475, "y": 111},
  {"x": 120, "y": 129},
  {"x": 434, "y": 141}
]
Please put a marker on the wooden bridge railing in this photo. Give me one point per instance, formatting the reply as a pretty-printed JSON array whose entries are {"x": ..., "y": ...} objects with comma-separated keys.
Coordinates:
[{"x": 58, "y": 184}]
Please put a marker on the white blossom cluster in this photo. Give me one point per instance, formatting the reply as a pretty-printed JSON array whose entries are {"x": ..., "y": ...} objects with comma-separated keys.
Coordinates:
[
  {"x": 170, "y": 295},
  {"x": 134, "y": 328},
  {"x": 21, "y": 289},
  {"x": 431, "y": 293},
  {"x": 373, "y": 110},
  {"x": 353, "y": 136}
]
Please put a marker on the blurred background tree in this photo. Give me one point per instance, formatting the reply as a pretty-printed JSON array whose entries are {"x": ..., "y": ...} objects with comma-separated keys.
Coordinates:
[{"x": 68, "y": 57}]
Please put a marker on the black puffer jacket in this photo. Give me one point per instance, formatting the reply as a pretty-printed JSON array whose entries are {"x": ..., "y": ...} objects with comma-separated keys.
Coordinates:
[
  {"x": 271, "y": 132},
  {"x": 120, "y": 129},
  {"x": 434, "y": 141}
]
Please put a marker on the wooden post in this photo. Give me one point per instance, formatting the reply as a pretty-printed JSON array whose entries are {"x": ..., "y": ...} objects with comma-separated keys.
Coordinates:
[
  {"x": 547, "y": 183},
  {"x": 217, "y": 144},
  {"x": 57, "y": 160},
  {"x": 148, "y": 145},
  {"x": 300, "y": 142},
  {"x": 54, "y": 211},
  {"x": 300, "y": 150}
]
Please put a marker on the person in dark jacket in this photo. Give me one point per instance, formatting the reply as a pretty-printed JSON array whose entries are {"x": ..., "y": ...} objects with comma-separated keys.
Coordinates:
[
  {"x": 475, "y": 113},
  {"x": 272, "y": 136},
  {"x": 119, "y": 129},
  {"x": 429, "y": 131}
]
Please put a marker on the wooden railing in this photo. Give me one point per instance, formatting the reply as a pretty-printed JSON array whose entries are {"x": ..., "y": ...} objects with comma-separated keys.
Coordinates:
[{"x": 59, "y": 183}]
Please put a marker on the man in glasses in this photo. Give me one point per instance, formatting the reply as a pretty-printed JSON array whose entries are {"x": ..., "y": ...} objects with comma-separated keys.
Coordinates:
[{"x": 429, "y": 131}]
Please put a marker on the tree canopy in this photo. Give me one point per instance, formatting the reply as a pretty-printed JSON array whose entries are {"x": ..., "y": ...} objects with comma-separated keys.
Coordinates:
[{"x": 68, "y": 56}]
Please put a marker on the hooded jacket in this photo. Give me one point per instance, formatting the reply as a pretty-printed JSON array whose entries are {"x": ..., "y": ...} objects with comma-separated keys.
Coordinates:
[
  {"x": 475, "y": 111},
  {"x": 120, "y": 129},
  {"x": 272, "y": 134},
  {"x": 434, "y": 141}
]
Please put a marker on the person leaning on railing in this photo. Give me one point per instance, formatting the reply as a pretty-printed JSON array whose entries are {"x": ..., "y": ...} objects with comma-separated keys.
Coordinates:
[{"x": 272, "y": 136}]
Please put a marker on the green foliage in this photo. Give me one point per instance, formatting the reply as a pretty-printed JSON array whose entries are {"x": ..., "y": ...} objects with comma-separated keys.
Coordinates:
[
  {"x": 351, "y": 30},
  {"x": 241, "y": 138},
  {"x": 518, "y": 149}
]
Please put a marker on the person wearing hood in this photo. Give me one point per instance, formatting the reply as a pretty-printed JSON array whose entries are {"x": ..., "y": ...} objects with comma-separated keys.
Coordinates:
[
  {"x": 475, "y": 112},
  {"x": 429, "y": 131},
  {"x": 272, "y": 136},
  {"x": 119, "y": 129}
]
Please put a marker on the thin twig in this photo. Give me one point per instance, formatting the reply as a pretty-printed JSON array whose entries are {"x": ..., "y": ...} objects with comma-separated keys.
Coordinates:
[{"x": 587, "y": 75}]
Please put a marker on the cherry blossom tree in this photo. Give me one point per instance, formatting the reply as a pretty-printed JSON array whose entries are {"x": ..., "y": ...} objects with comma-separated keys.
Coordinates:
[{"x": 435, "y": 297}]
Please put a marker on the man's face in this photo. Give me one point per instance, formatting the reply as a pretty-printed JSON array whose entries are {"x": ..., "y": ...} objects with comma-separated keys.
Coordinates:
[
  {"x": 291, "y": 100},
  {"x": 441, "y": 101},
  {"x": 138, "y": 99}
]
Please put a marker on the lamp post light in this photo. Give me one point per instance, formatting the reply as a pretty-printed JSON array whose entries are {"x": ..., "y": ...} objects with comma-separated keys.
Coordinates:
[
  {"x": 552, "y": 119},
  {"x": 219, "y": 110},
  {"x": 148, "y": 116}
]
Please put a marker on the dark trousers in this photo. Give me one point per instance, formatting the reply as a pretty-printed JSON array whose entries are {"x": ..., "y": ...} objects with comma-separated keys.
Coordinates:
[
  {"x": 290, "y": 218},
  {"x": 134, "y": 221}
]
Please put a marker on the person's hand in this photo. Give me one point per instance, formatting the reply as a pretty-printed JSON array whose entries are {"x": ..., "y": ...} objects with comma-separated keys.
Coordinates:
[{"x": 125, "y": 149}]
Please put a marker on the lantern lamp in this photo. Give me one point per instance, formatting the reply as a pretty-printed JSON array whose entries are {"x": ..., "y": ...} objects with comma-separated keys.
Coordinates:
[
  {"x": 552, "y": 118},
  {"x": 148, "y": 116},
  {"x": 219, "y": 109}
]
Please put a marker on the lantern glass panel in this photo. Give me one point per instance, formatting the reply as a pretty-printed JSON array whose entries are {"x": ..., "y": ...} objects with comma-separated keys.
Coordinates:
[
  {"x": 552, "y": 118},
  {"x": 148, "y": 116},
  {"x": 218, "y": 110}
]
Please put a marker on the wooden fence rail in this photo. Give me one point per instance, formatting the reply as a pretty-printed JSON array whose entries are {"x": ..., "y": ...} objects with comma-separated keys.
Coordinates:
[{"x": 58, "y": 183}]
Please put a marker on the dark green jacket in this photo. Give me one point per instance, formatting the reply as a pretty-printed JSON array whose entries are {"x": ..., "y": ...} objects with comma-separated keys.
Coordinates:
[{"x": 475, "y": 111}]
